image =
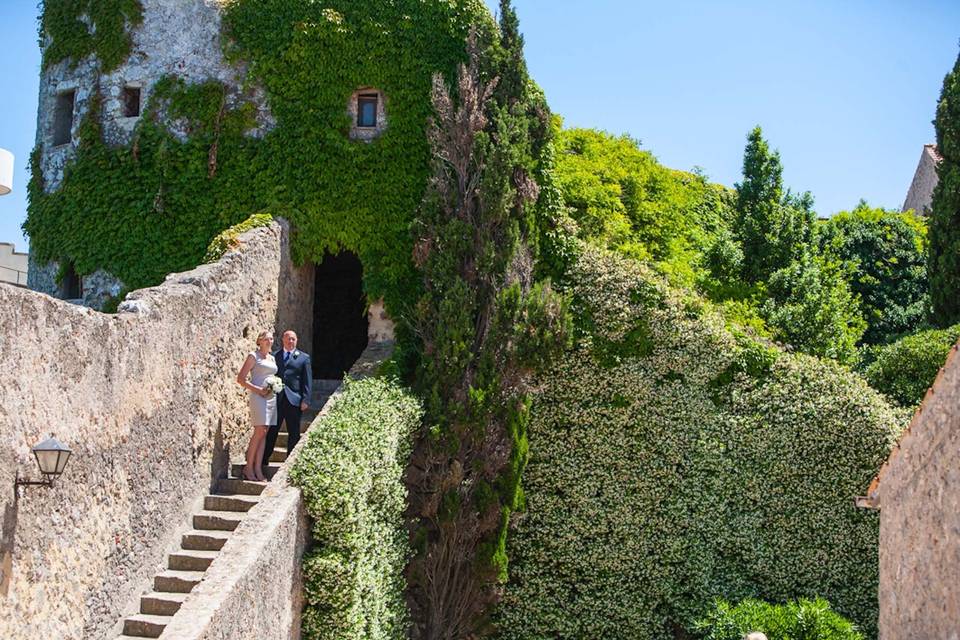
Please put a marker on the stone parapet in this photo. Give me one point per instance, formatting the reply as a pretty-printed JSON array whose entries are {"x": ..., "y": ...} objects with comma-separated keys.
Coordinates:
[{"x": 148, "y": 402}]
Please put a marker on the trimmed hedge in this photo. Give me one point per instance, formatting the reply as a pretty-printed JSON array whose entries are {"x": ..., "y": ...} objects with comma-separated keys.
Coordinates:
[
  {"x": 796, "y": 620},
  {"x": 673, "y": 462},
  {"x": 350, "y": 472},
  {"x": 904, "y": 370}
]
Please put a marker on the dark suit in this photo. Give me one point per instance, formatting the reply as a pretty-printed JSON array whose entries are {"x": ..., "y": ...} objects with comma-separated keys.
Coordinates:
[{"x": 297, "y": 377}]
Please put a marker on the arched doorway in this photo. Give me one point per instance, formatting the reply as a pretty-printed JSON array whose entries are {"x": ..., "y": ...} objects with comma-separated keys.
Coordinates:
[{"x": 339, "y": 315}]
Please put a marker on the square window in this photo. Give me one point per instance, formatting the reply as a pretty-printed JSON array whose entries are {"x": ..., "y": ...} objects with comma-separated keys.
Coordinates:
[
  {"x": 63, "y": 118},
  {"x": 131, "y": 102},
  {"x": 367, "y": 111}
]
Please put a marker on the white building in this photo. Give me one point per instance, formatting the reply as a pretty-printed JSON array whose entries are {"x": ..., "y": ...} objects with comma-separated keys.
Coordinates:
[{"x": 13, "y": 265}]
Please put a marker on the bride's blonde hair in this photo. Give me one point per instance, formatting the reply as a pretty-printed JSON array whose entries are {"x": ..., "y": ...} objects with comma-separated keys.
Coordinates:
[{"x": 262, "y": 335}]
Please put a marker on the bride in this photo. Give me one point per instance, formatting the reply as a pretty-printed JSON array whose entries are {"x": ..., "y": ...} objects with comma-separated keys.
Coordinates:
[{"x": 259, "y": 365}]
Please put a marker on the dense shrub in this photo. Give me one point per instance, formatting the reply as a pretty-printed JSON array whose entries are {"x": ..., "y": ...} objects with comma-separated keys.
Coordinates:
[
  {"x": 810, "y": 307},
  {"x": 350, "y": 473},
  {"x": 673, "y": 462},
  {"x": 904, "y": 370},
  {"x": 883, "y": 258},
  {"x": 622, "y": 198},
  {"x": 796, "y": 620}
]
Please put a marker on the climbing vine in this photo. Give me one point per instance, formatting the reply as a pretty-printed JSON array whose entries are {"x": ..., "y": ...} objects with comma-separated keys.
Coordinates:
[
  {"x": 144, "y": 209},
  {"x": 75, "y": 29}
]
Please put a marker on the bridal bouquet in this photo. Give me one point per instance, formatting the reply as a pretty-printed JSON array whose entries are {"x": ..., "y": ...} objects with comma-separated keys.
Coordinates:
[{"x": 274, "y": 383}]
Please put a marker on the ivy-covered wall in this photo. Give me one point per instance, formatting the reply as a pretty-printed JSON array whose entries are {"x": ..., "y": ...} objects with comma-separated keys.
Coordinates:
[
  {"x": 674, "y": 460},
  {"x": 142, "y": 209}
]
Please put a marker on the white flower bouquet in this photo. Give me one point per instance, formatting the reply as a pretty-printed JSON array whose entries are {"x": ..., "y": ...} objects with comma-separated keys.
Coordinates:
[{"x": 274, "y": 383}]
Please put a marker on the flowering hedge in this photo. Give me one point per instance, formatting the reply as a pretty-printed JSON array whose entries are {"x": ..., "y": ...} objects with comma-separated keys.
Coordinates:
[
  {"x": 674, "y": 461},
  {"x": 350, "y": 473}
]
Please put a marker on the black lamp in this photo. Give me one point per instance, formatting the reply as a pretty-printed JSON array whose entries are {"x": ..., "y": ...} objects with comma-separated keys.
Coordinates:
[{"x": 52, "y": 456}]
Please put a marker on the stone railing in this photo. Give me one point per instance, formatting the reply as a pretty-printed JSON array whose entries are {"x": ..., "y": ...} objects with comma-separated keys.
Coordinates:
[{"x": 147, "y": 401}]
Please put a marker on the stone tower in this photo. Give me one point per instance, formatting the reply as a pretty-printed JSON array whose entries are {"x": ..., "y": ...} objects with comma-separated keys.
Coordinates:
[{"x": 175, "y": 38}]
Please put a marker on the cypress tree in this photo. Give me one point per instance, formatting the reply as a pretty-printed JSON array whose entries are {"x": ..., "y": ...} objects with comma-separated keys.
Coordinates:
[{"x": 943, "y": 266}]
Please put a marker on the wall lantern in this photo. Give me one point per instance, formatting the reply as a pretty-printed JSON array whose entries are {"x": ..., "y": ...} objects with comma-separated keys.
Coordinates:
[
  {"x": 6, "y": 172},
  {"x": 52, "y": 456}
]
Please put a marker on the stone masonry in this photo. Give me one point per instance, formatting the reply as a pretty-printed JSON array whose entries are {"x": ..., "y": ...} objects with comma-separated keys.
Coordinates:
[
  {"x": 918, "y": 494},
  {"x": 920, "y": 196},
  {"x": 147, "y": 401}
]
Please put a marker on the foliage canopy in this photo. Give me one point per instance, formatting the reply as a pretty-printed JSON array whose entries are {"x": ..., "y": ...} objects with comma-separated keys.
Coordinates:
[{"x": 944, "y": 261}]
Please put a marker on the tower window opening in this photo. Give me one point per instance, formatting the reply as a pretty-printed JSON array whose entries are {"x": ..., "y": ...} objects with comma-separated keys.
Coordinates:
[
  {"x": 367, "y": 110},
  {"x": 63, "y": 118},
  {"x": 131, "y": 102}
]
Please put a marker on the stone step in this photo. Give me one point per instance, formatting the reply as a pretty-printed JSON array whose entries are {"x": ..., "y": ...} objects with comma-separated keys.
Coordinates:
[
  {"x": 279, "y": 455},
  {"x": 190, "y": 560},
  {"x": 145, "y": 626},
  {"x": 326, "y": 384},
  {"x": 217, "y": 520},
  {"x": 229, "y": 503},
  {"x": 204, "y": 540},
  {"x": 177, "y": 581},
  {"x": 158, "y": 603},
  {"x": 236, "y": 471},
  {"x": 239, "y": 486}
]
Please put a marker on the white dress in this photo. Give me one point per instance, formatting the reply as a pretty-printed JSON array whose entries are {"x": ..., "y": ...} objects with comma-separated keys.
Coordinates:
[{"x": 263, "y": 411}]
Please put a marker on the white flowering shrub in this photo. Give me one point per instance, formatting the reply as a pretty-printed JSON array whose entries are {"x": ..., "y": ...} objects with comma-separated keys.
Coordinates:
[
  {"x": 350, "y": 473},
  {"x": 674, "y": 461}
]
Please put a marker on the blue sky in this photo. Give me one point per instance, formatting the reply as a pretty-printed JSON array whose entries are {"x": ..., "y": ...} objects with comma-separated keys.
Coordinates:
[{"x": 844, "y": 89}]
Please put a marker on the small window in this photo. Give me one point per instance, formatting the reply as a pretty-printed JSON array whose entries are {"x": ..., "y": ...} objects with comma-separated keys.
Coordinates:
[
  {"x": 63, "y": 118},
  {"x": 367, "y": 110},
  {"x": 131, "y": 102}
]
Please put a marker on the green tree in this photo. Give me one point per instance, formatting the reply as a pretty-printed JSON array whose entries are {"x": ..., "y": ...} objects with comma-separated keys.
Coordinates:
[
  {"x": 485, "y": 326},
  {"x": 944, "y": 261},
  {"x": 772, "y": 226},
  {"x": 622, "y": 198},
  {"x": 811, "y": 308},
  {"x": 883, "y": 254}
]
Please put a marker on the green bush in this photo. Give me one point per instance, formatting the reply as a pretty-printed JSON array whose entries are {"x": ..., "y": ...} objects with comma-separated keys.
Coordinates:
[
  {"x": 904, "y": 370},
  {"x": 796, "y": 620},
  {"x": 883, "y": 256},
  {"x": 226, "y": 240},
  {"x": 694, "y": 465},
  {"x": 350, "y": 472}
]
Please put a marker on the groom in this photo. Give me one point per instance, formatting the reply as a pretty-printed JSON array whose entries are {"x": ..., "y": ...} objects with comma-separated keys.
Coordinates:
[{"x": 293, "y": 367}]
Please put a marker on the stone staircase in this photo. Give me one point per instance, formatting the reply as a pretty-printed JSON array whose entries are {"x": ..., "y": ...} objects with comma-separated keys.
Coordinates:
[{"x": 222, "y": 512}]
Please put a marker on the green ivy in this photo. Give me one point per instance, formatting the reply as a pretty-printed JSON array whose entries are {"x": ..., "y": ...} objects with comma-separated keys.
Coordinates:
[
  {"x": 151, "y": 207},
  {"x": 75, "y": 29}
]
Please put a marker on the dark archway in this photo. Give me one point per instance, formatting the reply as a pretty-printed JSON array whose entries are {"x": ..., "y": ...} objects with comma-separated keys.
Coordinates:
[{"x": 339, "y": 315}]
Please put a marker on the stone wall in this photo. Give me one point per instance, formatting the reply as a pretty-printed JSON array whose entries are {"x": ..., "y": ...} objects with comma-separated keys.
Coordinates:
[
  {"x": 920, "y": 196},
  {"x": 919, "y": 498},
  {"x": 148, "y": 402}
]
